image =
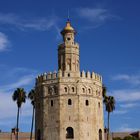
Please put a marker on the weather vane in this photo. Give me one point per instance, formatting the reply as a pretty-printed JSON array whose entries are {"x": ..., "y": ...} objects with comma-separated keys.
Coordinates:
[{"x": 68, "y": 15}]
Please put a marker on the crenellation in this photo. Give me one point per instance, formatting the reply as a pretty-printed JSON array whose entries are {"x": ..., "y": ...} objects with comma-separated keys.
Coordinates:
[
  {"x": 44, "y": 76},
  {"x": 40, "y": 78},
  {"x": 49, "y": 75},
  {"x": 98, "y": 77},
  {"x": 88, "y": 75},
  {"x": 54, "y": 75},
  {"x": 93, "y": 75},
  {"x": 83, "y": 74}
]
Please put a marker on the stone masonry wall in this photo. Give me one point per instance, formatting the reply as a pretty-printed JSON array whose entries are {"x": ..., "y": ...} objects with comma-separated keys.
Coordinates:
[{"x": 84, "y": 115}]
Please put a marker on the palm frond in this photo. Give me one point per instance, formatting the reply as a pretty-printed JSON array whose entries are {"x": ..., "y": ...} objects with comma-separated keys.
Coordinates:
[
  {"x": 104, "y": 90},
  {"x": 19, "y": 96},
  {"x": 31, "y": 96}
]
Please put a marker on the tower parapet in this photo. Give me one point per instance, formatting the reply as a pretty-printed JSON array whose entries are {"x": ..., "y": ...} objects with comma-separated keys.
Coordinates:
[{"x": 56, "y": 75}]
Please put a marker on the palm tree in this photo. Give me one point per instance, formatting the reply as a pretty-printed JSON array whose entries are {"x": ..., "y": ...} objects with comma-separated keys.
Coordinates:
[
  {"x": 109, "y": 102},
  {"x": 31, "y": 96},
  {"x": 19, "y": 96},
  {"x": 104, "y": 89}
]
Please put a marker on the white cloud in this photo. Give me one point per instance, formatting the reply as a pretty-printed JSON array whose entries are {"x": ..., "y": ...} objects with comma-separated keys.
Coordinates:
[
  {"x": 17, "y": 77},
  {"x": 126, "y": 95},
  {"x": 120, "y": 112},
  {"x": 98, "y": 15},
  {"x": 131, "y": 79},
  {"x": 121, "y": 77},
  {"x": 126, "y": 128},
  {"x": 23, "y": 81},
  {"x": 129, "y": 105},
  {"x": 8, "y": 19},
  {"x": 7, "y": 106},
  {"x": 93, "y": 14},
  {"x": 8, "y": 109},
  {"x": 41, "y": 23},
  {"x": 4, "y": 42}
]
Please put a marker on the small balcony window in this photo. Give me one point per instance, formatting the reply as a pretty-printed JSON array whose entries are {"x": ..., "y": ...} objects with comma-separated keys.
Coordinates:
[
  {"x": 87, "y": 102},
  {"x": 69, "y": 133},
  {"x": 69, "y": 102}
]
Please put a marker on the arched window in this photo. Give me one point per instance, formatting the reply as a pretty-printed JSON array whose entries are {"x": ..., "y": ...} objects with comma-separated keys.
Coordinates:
[
  {"x": 51, "y": 102},
  {"x": 87, "y": 102},
  {"x": 100, "y": 134},
  {"x": 68, "y": 64},
  {"x": 69, "y": 102},
  {"x": 98, "y": 104},
  {"x": 72, "y": 89},
  {"x": 89, "y": 90},
  {"x": 38, "y": 134},
  {"x": 66, "y": 90},
  {"x": 83, "y": 90},
  {"x": 69, "y": 133}
]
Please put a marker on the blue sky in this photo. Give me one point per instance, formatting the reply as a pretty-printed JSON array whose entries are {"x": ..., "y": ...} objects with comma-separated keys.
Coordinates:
[{"x": 109, "y": 36}]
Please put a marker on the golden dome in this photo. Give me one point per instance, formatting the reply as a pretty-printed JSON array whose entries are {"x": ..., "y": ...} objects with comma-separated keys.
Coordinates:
[{"x": 68, "y": 28}]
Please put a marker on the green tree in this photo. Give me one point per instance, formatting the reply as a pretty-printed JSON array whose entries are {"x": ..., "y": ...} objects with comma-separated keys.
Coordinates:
[
  {"x": 130, "y": 138},
  {"x": 109, "y": 102},
  {"x": 104, "y": 89},
  {"x": 117, "y": 138},
  {"x": 31, "y": 96},
  {"x": 19, "y": 96}
]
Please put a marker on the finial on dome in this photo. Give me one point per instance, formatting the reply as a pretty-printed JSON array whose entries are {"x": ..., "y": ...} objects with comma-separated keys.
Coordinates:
[
  {"x": 68, "y": 16},
  {"x": 68, "y": 28}
]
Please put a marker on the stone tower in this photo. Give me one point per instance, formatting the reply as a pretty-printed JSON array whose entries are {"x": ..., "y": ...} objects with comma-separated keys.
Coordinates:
[{"x": 69, "y": 102}]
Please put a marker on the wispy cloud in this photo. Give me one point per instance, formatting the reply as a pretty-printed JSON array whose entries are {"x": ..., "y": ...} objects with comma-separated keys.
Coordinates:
[
  {"x": 126, "y": 95},
  {"x": 131, "y": 79},
  {"x": 8, "y": 106},
  {"x": 129, "y": 105},
  {"x": 120, "y": 112},
  {"x": 94, "y": 14},
  {"x": 8, "y": 109},
  {"x": 97, "y": 16},
  {"x": 23, "y": 81},
  {"x": 21, "y": 77},
  {"x": 4, "y": 42},
  {"x": 12, "y": 76},
  {"x": 38, "y": 23},
  {"x": 126, "y": 128}
]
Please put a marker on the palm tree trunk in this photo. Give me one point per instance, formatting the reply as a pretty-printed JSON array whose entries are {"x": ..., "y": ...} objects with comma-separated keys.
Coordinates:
[
  {"x": 32, "y": 124},
  {"x": 108, "y": 126},
  {"x": 17, "y": 124}
]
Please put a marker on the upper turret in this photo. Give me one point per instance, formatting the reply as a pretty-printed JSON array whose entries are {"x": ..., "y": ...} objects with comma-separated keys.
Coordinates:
[
  {"x": 68, "y": 33},
  {"x": 68, "y": 51}
]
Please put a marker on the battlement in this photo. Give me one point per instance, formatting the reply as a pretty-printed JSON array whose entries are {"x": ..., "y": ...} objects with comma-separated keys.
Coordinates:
[
  {"x": 54, "y": 75},
  {"x": 46, "y": 76},
  {"x": 90, "y": 75}
]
